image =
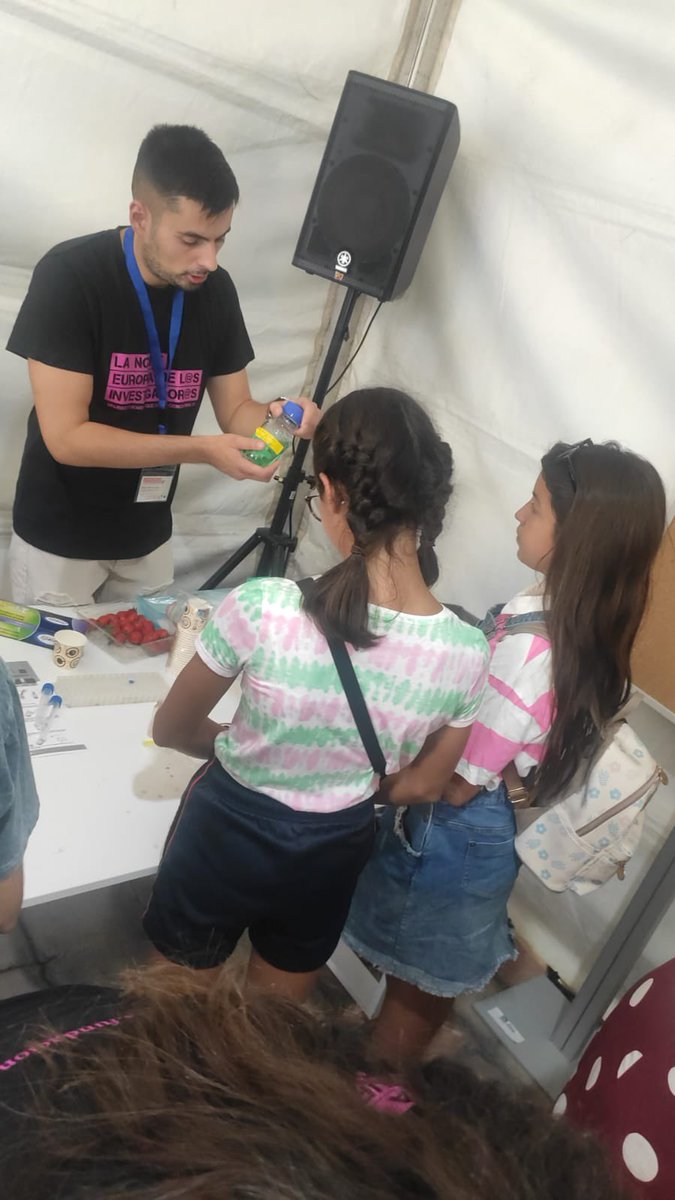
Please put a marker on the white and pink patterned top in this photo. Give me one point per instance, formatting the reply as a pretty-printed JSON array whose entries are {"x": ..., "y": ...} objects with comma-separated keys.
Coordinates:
[
  {"x": 516, "y": 712},
  {"x": 293, "y": 736}
]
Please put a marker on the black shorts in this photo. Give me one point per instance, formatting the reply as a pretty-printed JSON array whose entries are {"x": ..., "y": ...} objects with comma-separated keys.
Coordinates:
[{"x": 237, "y": 860}]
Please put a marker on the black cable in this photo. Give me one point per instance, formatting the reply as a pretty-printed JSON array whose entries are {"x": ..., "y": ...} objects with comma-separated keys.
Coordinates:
[{"x": 367, "y": 331}]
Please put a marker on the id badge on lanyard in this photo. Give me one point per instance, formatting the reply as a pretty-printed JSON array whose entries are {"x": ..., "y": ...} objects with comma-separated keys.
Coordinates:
[{"x": 154, "y": 485}]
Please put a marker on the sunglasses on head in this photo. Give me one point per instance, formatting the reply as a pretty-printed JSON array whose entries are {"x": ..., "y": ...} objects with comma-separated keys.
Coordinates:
[{"x": 567, "y": 456}]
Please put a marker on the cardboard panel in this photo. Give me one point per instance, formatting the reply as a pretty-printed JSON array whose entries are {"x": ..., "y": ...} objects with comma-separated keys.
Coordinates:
[{"x": 654, "y": 655}]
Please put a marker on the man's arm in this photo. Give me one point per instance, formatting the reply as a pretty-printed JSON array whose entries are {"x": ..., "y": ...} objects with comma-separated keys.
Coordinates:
[
  {"x": 62, "y": 400},
  {"x": 237, "y": 412}
]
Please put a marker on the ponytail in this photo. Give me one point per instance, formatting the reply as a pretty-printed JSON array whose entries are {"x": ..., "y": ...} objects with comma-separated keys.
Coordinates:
[{"x": 339, "y": 602}]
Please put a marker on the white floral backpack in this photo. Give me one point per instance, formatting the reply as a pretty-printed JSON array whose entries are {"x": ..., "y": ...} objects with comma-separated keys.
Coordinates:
[{"x": 580, "y": 841}]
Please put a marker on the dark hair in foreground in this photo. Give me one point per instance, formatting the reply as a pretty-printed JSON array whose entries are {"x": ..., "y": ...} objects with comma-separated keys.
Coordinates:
[
  {"x": 181, "y": 160},
  {"x": 204, "y": 1094},
  {"x": 382, "y": 453},
  {"x": 610, "y": 512}
]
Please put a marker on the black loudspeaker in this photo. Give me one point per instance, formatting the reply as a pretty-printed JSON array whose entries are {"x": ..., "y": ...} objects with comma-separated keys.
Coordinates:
[{"x": 386, "y": 163}]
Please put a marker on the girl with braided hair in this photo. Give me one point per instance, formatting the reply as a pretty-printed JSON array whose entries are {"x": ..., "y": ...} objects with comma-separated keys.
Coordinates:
[{"x": 276, "y": 826}]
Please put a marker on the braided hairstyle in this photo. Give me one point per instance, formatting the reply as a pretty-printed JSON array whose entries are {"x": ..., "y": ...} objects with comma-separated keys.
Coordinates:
[{"x": 385, "y": 459}]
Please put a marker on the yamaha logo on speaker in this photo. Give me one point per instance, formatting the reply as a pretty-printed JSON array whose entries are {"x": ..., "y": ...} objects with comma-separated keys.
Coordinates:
[{"x": 342, "y": 263}]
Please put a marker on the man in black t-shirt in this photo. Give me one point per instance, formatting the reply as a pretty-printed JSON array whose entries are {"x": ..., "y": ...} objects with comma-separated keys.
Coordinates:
[{"x": 112, "y": 420}]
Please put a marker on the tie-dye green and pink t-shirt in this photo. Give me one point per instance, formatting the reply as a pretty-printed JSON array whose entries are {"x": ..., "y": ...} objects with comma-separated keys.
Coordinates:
[{"x": 293, "y": 736}]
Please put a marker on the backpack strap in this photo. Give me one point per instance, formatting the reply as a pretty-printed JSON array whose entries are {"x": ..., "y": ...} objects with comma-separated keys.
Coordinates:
[
  {"x": 355, "y": 697},
  {"x": 537, "y": 626}
]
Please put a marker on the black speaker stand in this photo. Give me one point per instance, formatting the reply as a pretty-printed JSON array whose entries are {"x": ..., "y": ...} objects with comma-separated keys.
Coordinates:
[{"x": 278, "y": 545}]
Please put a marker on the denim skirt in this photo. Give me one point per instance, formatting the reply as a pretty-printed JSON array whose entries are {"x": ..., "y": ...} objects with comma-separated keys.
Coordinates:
[{"x": 430, "y": 905}]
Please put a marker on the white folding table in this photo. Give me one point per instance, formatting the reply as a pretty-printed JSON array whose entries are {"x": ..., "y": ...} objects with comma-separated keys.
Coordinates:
[{"x": 105, "y": 810}]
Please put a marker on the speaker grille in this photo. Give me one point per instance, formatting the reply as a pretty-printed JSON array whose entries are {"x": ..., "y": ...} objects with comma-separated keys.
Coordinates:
[
  {"x": 391, "y": 128},
  {"x": 363, "y": 207}
]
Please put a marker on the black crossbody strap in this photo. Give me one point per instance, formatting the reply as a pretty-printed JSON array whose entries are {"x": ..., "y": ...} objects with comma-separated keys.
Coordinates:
[
  {"x": 355, "y": 697},
  {"x": 358, "y": 705}
]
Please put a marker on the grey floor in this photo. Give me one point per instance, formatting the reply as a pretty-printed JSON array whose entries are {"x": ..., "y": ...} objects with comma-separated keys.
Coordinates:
[
  {"x": 82, "y": 939},
  {"x": 92, "y": 937}
]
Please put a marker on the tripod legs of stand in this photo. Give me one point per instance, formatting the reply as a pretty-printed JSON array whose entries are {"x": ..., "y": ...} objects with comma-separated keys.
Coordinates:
[{"x": 278, "y": 546}]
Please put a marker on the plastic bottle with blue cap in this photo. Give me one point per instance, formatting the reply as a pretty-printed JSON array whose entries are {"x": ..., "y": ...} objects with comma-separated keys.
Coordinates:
[{"x": 277, "y": 433}]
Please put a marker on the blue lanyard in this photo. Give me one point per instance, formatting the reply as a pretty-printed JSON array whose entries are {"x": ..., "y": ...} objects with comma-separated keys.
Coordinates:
[{"x": 151, "y": 328}]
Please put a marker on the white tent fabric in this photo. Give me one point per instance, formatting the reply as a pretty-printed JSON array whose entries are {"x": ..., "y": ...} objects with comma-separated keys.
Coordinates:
[
  {"x": 540, "y": 308},
  {"x": 81, "y": 83}
]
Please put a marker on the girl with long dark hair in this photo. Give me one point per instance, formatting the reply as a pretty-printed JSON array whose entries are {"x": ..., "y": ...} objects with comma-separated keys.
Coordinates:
[
  {"x": 430, "y": 908},
  {"x": 277, "y": 825}
]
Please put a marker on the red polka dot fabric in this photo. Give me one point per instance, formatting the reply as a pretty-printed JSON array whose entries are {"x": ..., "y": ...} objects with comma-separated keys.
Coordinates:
[{"x": 624, "y": 1086}]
